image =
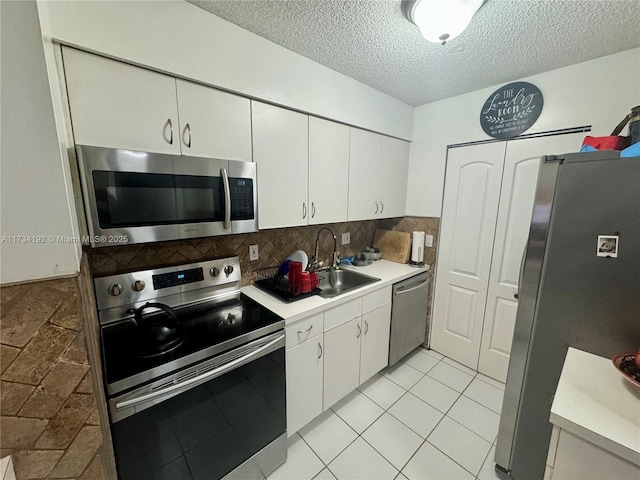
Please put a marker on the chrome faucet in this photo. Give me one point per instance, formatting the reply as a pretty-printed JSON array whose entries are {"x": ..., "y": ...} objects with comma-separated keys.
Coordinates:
[{"x": 315, "y": 264}]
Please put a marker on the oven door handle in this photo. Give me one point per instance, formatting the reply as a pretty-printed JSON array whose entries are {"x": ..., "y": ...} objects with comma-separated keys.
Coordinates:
[
  {"x": 200, "y": 378},
  {"x": 227, "y": 198}
]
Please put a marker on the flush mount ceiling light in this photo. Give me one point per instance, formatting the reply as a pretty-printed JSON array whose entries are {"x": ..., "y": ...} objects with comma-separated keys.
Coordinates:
[{"x": 440, "y": 20}]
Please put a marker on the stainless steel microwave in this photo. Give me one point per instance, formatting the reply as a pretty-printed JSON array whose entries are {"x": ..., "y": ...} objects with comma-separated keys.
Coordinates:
[{"x": 139, "y": 197}]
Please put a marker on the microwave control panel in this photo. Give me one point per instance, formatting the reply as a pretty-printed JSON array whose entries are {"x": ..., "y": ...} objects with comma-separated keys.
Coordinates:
[{"x": 241, "y": 198}]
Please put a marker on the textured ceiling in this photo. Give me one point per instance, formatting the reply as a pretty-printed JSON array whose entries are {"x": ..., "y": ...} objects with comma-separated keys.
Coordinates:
[{"x": 370, "y": 40}]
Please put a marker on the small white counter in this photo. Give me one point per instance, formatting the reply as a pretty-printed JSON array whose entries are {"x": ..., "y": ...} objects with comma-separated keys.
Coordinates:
[
  {"x": 388, "y": 273},
  {"x": 596, "y": 418}
]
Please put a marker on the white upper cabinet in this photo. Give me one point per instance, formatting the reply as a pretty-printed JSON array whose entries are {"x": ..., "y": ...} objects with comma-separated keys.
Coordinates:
[
  {"x": 213, "y": 123},
  {"x": 364, "y": 175},
  {"x": 120, "y": 106},
  {"x": 394, "y": 165},
  {"x": 377, "y": 176},
  {"x": 328, "y": 171},
  {"x": 281, "y": 152}
]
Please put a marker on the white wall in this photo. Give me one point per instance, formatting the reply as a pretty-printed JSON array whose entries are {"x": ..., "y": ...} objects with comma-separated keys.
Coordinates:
[
  {"x": 181, "y": 39},
  {"x": 36, "y": 198},
  {"x": 599, "y": 92}
]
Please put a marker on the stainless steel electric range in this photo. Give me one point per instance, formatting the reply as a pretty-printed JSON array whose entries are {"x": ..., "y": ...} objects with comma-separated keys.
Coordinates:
[{"x": 194, "y": 373}]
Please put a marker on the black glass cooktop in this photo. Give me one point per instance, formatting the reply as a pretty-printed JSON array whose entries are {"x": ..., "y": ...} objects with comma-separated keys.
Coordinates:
[{"x": 202, "y": 326}]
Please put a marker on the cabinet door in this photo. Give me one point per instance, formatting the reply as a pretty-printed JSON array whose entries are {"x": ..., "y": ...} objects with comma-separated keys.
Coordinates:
[
  {"x": 304, "y": 383},
  {"x": 341, "y": 361},
  {"x": 519, "y": 179},
  {"x": 364, "y": 175},
  {"x": 374, "y": 352},
  {"x": 213, "y": 124},
  {"x": 469, "y": 212},
  {"x": 280, "y": 150},
  {"x": 394, "y": 165},
  {"x": 328, "y": 171},
  {"x": 120, "y": 106}
]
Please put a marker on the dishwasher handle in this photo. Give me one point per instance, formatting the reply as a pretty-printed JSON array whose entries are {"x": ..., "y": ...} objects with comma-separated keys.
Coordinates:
[{"x": 407, "y": 290}]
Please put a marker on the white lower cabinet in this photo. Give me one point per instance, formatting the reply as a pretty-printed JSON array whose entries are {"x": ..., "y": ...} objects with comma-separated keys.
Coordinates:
[
  {"x": 341, "y": 361},
  {"x": 324, "y": 367},
  {"x": 374, "y": 349},
  {"x": 304, "y": 382}
]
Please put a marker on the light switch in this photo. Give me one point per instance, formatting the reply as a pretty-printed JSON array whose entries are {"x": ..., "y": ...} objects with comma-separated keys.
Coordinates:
[
  {"x": 253, "y": 253},
  {"x": 428, "y": 240}
]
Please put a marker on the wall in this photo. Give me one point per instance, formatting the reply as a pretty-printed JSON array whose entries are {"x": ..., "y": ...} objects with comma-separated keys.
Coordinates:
[
  {"x": 599, "y": 92},
  {"x": 184, "y": 40},
  {"x": 36, "y": 197},
  {"x": 49, "y": 418}
]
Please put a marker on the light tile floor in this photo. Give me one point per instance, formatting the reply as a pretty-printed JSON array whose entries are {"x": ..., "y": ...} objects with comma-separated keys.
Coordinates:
[{"x": 425, "y": 418}]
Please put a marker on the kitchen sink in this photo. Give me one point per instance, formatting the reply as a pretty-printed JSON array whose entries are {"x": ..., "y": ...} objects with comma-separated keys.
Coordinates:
[{"x": 343, "y": 282}]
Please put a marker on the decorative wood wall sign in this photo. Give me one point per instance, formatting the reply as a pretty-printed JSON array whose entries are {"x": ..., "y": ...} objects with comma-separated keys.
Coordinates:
[{"x": 511, "y": 110}]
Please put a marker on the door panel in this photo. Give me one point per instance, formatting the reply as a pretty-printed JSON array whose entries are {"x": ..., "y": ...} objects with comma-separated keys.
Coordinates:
[
  {"x": 219, "y": 122},
  {"x": 522, "y": 161},
  {"x": 374, "y": 353},
  {"x": 470, "y": 208},
  {"x": 328, "y": 155},
  {"x": 341, "y": 361},
  {"x": 120, "y": 106},
  {"x": 364, "y": 174},
  {"x": 281, "y": 152},
  {"x": 304, "y": 383},
  {"x": 393, "y": 177}
]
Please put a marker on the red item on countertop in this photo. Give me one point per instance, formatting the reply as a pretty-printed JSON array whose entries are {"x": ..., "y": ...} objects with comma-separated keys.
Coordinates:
[{"x": 295, "y": 278}]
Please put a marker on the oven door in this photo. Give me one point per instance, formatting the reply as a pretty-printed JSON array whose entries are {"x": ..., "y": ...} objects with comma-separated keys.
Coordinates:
[
  {"x": 206, "y": 421},
  {"x": 138, "y": 197}
]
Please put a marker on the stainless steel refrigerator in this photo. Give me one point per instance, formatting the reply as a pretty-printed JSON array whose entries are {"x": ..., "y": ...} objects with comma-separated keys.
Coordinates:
[{"x": 579, "y": 286}]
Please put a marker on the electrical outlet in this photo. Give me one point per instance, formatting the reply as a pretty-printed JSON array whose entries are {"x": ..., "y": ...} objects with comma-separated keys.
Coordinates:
[
  {"x": 253, "y": 253},
  {"x": 428, "y": 240},
  {"x": 346, "y": 238}
]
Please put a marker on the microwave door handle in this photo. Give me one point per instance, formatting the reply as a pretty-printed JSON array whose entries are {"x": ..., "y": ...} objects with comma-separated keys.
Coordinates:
[{"x": 227, "y": 198}]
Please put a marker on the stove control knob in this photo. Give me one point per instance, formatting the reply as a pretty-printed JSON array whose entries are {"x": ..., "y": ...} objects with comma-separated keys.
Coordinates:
[
  {"x": 137, "y": 286},
  {"x": 214, "y": 272},
  {"x": 228, "y": 270},
  {"x": 115, "y": 289}
]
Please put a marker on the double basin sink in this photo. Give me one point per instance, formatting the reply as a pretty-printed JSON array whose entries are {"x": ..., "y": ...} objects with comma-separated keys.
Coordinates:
[{"x": 336, "y": 282}]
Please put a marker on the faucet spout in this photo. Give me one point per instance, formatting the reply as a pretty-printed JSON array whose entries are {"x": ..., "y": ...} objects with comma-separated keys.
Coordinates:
[{"x": 315, "y": 264}]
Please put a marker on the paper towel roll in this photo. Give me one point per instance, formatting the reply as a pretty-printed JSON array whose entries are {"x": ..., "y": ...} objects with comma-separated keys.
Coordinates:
[{"x": 417, "y": 247}]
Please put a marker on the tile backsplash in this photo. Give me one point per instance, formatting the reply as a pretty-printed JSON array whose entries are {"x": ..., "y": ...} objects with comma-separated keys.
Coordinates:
[{"x": 274, "y": 245}]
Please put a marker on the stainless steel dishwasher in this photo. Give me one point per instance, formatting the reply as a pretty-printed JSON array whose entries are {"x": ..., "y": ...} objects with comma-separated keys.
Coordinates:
[{"x": 408, "y": 316}]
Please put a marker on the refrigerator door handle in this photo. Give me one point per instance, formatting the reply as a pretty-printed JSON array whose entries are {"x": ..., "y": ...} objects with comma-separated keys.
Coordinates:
[{"x": 524, "y": 256}]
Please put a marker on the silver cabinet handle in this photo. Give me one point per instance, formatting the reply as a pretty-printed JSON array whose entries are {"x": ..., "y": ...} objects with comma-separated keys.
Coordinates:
[
  {"x": 407, "y": 290},
  {"x": 306, "y": 330},
  {"x": 313, "y": 209},
  {"x": 359, "y": 331},
  {"x": 227, "y": 198},
  {"x": 376, "y": 208},
  {"x": 304, "y": 210},
  {"x": 170, "y": 131},
  {"x": 187, "y": 128},
  {"x": 366, "y": 327},
  {"x": 382, "y": 203},
  {"x": 319, "y": 350},
  {"x": 200, "y": 378}
]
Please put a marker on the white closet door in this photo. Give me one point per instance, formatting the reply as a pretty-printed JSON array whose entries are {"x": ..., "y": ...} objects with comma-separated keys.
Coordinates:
[
  {"x": 472, "y": 190},
  {"x": 522, "y": 162}
]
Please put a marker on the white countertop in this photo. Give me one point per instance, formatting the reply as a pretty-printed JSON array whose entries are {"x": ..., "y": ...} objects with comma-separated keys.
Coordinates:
[
  {"x": 594, "y": 402},
  {"x": 388, "y": 273}
]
